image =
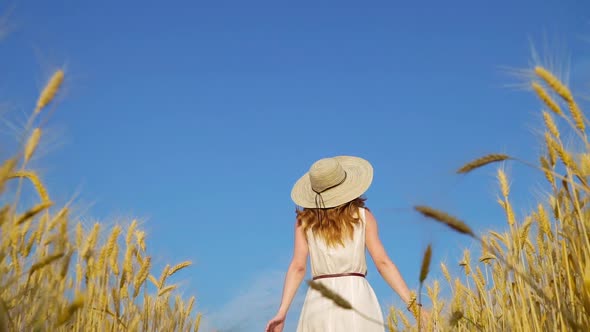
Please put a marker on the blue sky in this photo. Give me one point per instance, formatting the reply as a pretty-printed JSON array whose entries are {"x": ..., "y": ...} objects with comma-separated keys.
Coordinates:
[{"x": 197, "y": 117}]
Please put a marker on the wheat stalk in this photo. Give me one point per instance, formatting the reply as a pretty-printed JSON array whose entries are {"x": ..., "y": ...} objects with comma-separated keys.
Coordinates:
[
  {"x": 424, "y": 268},
  {"x": 32, "y": 212},
  {"x": 166, "y": 289},
  {"x": 329, "y": 294},
  {"x": 31, "y": 176},
  {"x": 142, "y": 275},
  {"x": 446, "y": 219},
  {"x": 425, "y": 263},
  {"x": 39, "y": 291},
  {"x": 70, "y": 310},
  {"x": 485, "y": 160},
  {"x": 564, "y": 92},
  {"x": 5, "y": 170},
  {"x": 179, "y": 267}
]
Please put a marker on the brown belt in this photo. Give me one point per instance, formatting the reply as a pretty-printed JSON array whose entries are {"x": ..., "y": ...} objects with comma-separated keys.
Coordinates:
[{"x": 338, "y": 275}]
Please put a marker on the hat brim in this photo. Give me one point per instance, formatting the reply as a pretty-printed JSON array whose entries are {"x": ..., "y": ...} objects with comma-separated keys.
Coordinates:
[{"x": 359, "y": 175}]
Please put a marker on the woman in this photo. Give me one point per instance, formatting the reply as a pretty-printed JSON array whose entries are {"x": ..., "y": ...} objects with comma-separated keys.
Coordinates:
[{"x": 334, "y": 228}]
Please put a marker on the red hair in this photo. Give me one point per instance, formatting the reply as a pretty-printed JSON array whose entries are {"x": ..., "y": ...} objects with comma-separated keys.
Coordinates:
[{"x": 332, "y": 224}]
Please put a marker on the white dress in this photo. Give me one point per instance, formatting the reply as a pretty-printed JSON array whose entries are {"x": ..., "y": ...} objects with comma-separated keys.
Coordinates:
[{"x": 322, "y": 315}]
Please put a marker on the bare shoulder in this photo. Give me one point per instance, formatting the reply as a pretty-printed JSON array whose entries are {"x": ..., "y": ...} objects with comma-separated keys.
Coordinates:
[
  {"x": 373, "y": 242},
  {"x": 299, "y": 230},
  {"x": 369, "y": 218},
  {"x": 371, "y": 229}
]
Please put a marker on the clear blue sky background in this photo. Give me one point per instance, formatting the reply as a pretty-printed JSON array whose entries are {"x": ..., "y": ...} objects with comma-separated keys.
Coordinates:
[{"x": 197, "y": 117}]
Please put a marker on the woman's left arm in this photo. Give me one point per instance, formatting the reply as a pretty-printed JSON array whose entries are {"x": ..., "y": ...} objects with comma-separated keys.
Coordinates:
[{"x": 295, "y": 275}]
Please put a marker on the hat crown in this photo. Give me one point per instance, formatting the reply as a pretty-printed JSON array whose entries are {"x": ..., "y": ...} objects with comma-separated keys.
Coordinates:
[{"x": 325, "y": 174}]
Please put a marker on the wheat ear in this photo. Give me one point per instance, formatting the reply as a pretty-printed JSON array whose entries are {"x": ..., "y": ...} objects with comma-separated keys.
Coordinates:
[{"x": 477, "y": 163}]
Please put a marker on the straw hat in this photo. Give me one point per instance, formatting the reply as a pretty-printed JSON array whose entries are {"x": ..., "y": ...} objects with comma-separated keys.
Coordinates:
[{"x": 332, "y": 181}]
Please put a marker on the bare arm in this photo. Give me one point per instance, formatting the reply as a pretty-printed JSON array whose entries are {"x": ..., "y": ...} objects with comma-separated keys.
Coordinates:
[
  {"x": 384, "y": 265},
  {"x": 296, "y": 271}
]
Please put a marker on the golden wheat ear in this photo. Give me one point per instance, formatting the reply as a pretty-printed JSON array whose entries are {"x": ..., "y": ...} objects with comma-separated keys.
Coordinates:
[
  {"x": 426, "y": 263},
  {"x": 50, "y": 90},
  {"x": 446, "y": 219},
  {"x": 329, "y": 294},
  {"x": 564, "y": 92},
  {"x": 5, "y": 170},
  {"x": 544, "y": 96},
  {"x": 554, "y": 83},
  {"x": 485, "y": 160},
  {"x": 34, "y": 178}
]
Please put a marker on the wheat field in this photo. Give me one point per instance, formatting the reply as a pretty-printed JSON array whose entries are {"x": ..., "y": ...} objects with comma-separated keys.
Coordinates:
[
  {"x": 56, "y": 275},
  {"x": 534, "y": 276}
]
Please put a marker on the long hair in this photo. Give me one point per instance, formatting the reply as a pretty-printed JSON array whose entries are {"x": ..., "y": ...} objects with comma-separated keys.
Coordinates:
[{"x": 333, "y": 225}]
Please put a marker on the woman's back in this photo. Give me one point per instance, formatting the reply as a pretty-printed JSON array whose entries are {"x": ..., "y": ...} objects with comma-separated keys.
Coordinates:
[
  {"x": 342, "y": 270},
  {"x": 350, "y": 258}
]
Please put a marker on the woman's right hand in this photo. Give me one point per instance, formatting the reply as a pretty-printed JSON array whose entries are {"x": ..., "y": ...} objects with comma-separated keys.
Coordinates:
[{"x": 425, "y": 318}]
